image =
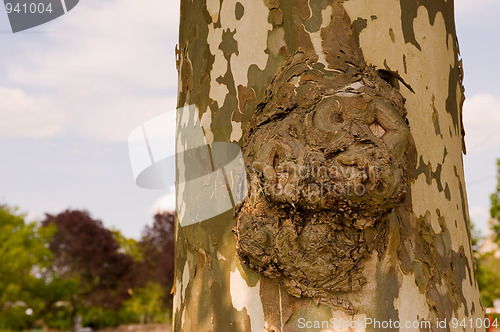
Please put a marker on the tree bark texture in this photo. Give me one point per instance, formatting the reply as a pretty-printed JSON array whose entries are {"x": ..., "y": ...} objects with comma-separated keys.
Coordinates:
[{"x": 254, "y": 69}]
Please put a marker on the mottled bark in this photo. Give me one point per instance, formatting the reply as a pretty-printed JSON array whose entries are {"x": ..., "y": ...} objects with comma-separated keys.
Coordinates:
[{"x": 321, "y": 84}]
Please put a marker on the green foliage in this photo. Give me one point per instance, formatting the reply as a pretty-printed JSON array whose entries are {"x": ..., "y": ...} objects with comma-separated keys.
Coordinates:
[
  {"x": 487, "y": 266},
  {"x": 59, "y": 317},
  {"x": 14, "y": 318},
  {"x": 495, "y": 204},
  {"x": 58, "y": 294},
  {"x": 83, "y": 248},
  {"x": 157, "y": 246},
  {"x": 147, "y": 304},
  {"x": 488, "y": 278},
  {"x": 89, "y": 259},
  {"x": 74, "y": 266},
  {"x": 98, "y": 317},
  {"x": 475, "y": 238},
  {"x": 128, "y": 246},
  {"x": 24, "y": 258}
]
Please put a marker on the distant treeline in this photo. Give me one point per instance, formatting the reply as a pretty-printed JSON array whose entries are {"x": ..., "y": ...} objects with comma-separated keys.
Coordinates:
[{"x": 70, "y": 266}]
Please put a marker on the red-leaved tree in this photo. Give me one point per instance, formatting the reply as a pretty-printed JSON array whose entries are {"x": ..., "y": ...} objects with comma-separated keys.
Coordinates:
[
  {"x": 157, "y": 246},
  {"x": 84, "y": 249}
]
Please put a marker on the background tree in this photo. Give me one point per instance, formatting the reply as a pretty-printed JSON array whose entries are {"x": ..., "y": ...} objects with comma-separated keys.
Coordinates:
[
  {"x": 88, "y": 253},
  {"x": 476, "y": 238},
  {"x": 157, "y": 248},
  {"x": 151, "y": 298},
  {"x": 148, "y": 303},
  {"x": 74, "y": 266},
  {"x": 495, "y": 204},
  {"x": 487, "y": 263},
  {"x": 127, "y": 246},
  {"x": 229, "y": 54},
  {"x": 488, "y": 277},
  {"x": 24, "y": 259}
]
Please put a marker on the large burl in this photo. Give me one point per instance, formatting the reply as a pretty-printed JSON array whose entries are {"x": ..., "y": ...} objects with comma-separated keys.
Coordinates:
[{"x": 326, "y": 163}]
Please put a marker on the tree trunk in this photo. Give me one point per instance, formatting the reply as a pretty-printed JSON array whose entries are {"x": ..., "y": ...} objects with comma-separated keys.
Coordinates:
[{"x": 348, "y": 115}]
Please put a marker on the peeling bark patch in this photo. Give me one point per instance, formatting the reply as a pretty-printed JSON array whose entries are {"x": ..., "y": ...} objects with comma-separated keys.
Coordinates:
[
  {"x": 433, "y": 271},
  {"x": 187, "y": 75},
  {"x": 447, "y": 193},
  {"x": 239, "y": 11},
  {"x": 269, "y": 292},
  {"x": 464, "y": 203},
  {"x": 277, "y": 16},
  {"x": 311, "y": 130},
  {"x": 276, "y": 41},
  {"x": 279, "y": 306},
  {"x": 437, "y": 176},
  {"x": 460, "y": 264},
  {"x": 451, "y": 102},
  {"x": 302, "y": 9},
  {"x": 359, "y": 24},
  {"x": 340, "y": 42},
  {"x": 273, "y": 4},
  {"x": 245, "y": 95},
  {"x": 313, "y": 24},
  {"x": 388, "y": 291},
  {"x": 236, "y": 132},
  {"x": 198, "y": 53},
  {"x": 213, "y": 8},
  {"x": 410, "y": 302},
  {"x": 435, "y": 117},
  {"x": 244, "y": 297},
  {"x": 437, "y": 129},
  {"x": 304, "y": 41},
  {"x": 439, "y": 269},
  {"x": 229, "y": 45},
  {"x": 423, "y": 168},
  {"x": 409, "y": 11}
]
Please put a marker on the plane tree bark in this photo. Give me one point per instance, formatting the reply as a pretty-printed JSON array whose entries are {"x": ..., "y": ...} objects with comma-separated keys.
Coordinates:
[{"x": 370, "y": 87}]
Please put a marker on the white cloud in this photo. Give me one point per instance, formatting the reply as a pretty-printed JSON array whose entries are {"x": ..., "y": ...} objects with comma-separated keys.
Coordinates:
[
  {"x": 100, "y": 44},
  {"x": 479, "y": 214},
  {"x": 108, "y": 65},
  {"x": 468, "y": 7},
  {"x": 166, "y": 203},
  {"x": 115, "y": 119},
  {"x": 482, "y": 122},
  {"x": 25, "y": 115}
]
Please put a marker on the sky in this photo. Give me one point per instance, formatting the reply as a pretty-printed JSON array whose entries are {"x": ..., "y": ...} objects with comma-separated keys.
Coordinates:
[{"x": 73, "y": 89}]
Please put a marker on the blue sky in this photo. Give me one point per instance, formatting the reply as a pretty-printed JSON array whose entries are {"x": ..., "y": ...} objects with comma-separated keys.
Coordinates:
[
  {"x": 71, "y": 92},
  {"x": 477, "y": 28},
  {"x": 73, "y": 89}
]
